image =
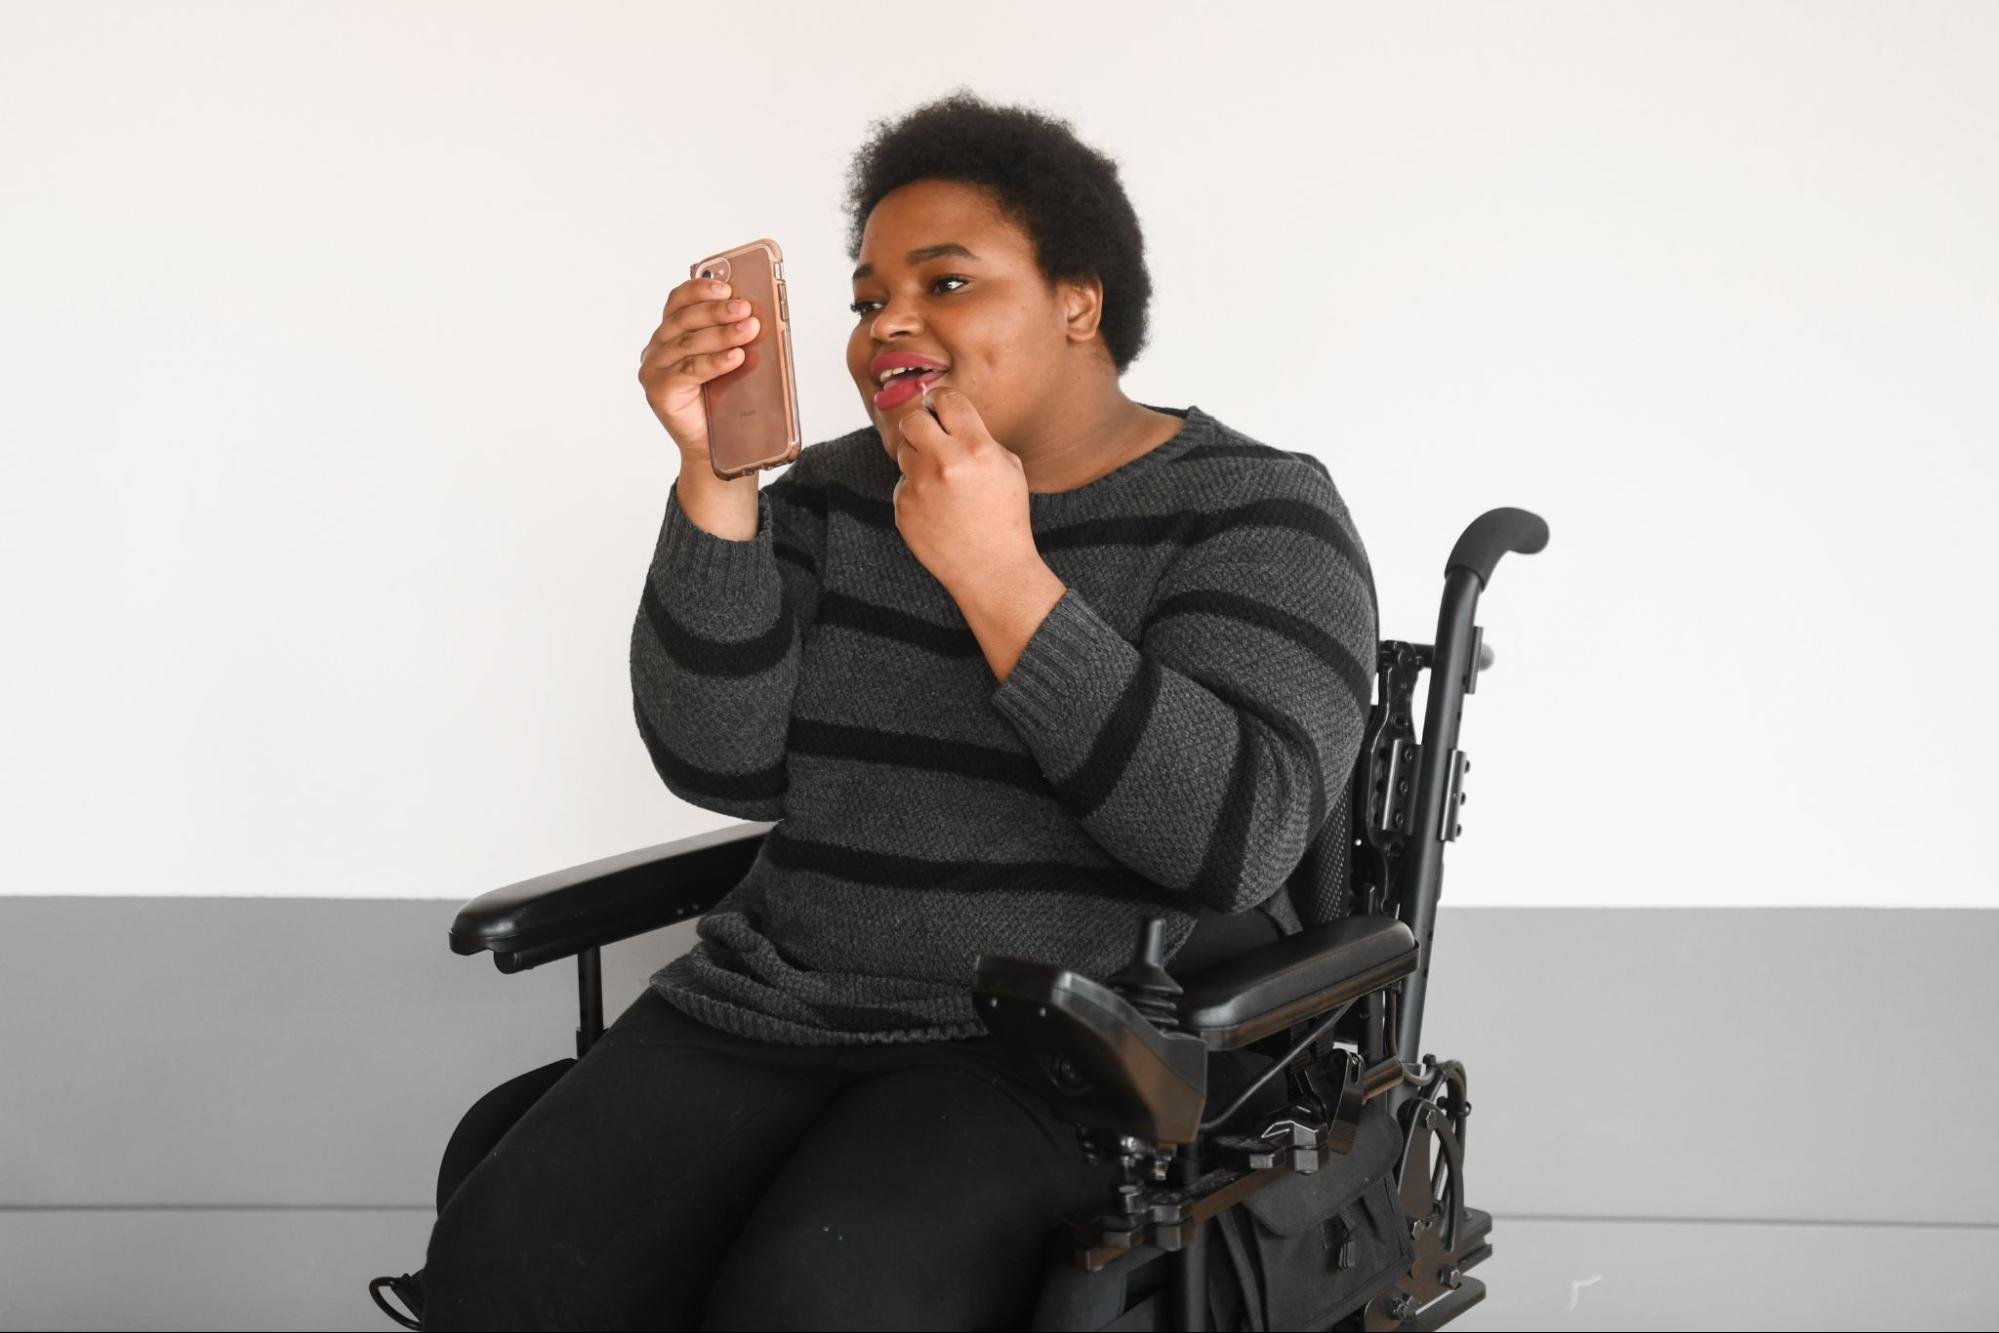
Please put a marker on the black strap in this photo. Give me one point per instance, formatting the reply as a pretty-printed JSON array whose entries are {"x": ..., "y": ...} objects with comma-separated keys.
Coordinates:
[
  {"x": 403, "y": 1288},
  {"x": 1229, "y": 1223}
]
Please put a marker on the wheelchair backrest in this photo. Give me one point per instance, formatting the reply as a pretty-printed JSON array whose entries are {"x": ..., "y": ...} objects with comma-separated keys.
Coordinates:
[
  {"x": 1321, "y": 887},
  {"x": 1330, "y": 882}
]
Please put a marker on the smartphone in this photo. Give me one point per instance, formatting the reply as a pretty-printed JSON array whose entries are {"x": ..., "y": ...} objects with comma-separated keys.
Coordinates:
[{"x": 753, "y": 409}]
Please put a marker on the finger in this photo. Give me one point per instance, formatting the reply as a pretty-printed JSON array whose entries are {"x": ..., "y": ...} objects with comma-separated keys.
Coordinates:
[
  {"x": 692, "y": 292},
  {"x": 957, "y": 415},
  {"x": 935, "y": 437},
  {"x": 718, "y": 339},
  {"x": 695, "y": 321},
  {"x": 694, "y": 306},
  {"x": 919, "y": 430},
  {"x": 947, "y": 405}
]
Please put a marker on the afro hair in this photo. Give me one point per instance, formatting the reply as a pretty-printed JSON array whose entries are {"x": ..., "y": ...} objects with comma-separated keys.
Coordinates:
[{"x": 1065, "y": 195}]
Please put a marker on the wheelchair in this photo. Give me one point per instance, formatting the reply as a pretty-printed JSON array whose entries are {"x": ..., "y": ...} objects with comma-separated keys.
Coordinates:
[{"x": 1343, "y": 1210}]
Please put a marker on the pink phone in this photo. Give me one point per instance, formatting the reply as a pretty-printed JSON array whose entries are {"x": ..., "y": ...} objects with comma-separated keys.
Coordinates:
[{"x": 753, "y": 409}]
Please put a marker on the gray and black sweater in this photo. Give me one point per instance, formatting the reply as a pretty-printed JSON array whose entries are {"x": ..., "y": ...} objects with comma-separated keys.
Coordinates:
[{"x": 1171, "y": 738}]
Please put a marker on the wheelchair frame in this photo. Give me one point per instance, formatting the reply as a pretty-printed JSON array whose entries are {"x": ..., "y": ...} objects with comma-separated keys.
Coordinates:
[{"x": 1125, "y": 1059}]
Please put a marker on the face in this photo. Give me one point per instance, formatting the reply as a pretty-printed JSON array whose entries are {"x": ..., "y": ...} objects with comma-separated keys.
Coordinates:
[{"x": 1008, "y": 340}]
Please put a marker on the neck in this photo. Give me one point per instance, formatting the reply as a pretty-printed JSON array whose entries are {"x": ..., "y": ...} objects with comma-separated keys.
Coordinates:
[{"x": 1087, "y": 431}]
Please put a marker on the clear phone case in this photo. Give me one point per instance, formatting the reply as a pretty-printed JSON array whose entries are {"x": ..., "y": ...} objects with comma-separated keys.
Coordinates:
[{"x": 753, "y": 409}]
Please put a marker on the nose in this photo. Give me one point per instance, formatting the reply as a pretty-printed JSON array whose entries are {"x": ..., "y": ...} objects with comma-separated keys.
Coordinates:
[{"x": 890, "y": 320}]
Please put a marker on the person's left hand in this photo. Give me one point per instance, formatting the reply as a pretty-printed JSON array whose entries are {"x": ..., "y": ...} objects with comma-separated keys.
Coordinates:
[{"x": 961, "y": 504}]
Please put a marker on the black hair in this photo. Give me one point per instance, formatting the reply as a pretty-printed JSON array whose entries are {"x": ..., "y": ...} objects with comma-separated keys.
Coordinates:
[{"x": 1065, "y": 195}]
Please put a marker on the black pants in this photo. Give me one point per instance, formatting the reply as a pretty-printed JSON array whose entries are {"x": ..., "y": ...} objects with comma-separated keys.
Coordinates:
[{"x": 680, "y": 1177}]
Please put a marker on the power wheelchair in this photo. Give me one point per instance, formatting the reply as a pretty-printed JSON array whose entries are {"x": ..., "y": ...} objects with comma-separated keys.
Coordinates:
[{"x": 1343, "y": 1210}]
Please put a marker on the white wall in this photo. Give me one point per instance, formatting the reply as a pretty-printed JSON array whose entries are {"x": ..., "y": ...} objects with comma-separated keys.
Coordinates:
[{"x": 327, "y": 487}]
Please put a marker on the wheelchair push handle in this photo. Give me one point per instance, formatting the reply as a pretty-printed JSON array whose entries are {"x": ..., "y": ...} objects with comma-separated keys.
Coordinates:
[{"x": 1491, "y": 535}]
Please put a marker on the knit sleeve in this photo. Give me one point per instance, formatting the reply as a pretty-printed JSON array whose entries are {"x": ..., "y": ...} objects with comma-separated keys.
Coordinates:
[
  {"x": 1205, "y": 756},
  {"x": 716, "y": 647}
]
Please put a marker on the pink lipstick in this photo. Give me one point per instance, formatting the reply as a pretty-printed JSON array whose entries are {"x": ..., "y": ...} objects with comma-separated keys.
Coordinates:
[{"x": 903, "y": 388}]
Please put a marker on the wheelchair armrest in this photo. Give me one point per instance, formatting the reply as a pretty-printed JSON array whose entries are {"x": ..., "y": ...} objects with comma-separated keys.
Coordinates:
[
  {"x": 1106, "y": 1065},
  {"x": 1101, "y": 1061},
  {"x": 563, "y": 913},
  {"x": 1296, "y": 978}
]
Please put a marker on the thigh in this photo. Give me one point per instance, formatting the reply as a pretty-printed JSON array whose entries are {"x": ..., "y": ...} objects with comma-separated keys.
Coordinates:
[
  {"x": 923, "y": 1198},
  {"x": 610, "y": 1202}
]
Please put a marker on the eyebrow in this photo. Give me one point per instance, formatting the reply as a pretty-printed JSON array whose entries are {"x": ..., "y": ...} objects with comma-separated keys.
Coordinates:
[{"x": 918, "y": 255}]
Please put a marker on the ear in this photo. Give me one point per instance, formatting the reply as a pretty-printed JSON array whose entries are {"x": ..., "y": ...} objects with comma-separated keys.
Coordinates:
[{"x": 1082, "y": 304}]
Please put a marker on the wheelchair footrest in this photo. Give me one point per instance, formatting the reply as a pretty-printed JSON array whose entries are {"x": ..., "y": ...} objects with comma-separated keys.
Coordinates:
[{"x": 1445, "y": 1308}]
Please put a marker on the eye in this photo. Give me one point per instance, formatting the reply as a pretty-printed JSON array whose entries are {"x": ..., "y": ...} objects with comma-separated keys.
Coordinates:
[{"x": 946, "y": 277}]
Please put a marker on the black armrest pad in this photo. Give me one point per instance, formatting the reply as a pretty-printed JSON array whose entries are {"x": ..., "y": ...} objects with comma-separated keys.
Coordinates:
[
  {"x": 1275, "y": 985},
  {"x": 556, "y": 915}
]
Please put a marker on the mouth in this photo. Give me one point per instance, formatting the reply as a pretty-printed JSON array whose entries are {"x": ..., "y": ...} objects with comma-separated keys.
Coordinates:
[{"x": 902, "y": 388}]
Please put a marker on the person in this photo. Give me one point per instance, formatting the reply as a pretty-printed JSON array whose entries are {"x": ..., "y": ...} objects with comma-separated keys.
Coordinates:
[{"x": 1015, "y": 667}]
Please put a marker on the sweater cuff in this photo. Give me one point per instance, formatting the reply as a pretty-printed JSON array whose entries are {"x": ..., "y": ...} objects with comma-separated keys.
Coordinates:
[
  {"x": 1063, "y": 665},
  {"x": 691, "y": 552}
]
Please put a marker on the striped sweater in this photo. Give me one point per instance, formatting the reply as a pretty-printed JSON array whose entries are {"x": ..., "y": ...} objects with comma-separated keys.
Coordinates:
[{"x": 1171, "y": 738}]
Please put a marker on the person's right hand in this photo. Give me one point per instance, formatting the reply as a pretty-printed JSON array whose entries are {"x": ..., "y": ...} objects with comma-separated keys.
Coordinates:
[{"x": 695, "y": 342}]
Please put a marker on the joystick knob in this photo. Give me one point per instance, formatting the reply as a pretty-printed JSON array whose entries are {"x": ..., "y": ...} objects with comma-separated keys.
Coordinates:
[{"x": 1146, "y": 983}]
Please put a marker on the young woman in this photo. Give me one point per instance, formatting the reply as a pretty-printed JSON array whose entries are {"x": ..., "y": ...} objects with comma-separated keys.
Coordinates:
[{"x": 1016, "y": 669}]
